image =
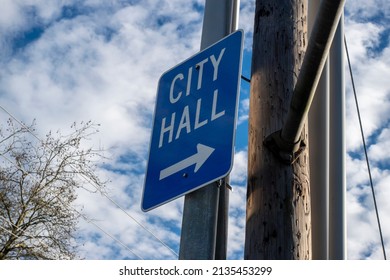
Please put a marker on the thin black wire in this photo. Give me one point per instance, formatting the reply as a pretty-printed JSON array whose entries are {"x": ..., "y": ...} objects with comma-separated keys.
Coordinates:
[
  {"x": 71, "y": 208},
  {"x": 93, "y": 184},
  {"x": 365, "y": 148},
  {"x": 245, "y": 79}
]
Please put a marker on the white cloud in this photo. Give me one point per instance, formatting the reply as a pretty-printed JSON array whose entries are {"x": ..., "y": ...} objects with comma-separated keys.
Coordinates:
[
  {"x": 239, "y": 171},
  {"x": 73, "y": 72},
  {"x": 246, "y": 21},
  {"x": 102, "y": 62},
  {"x": 379, "y": 151},
  {"x": 243, "y": 113},
  {"x": 236, "y": 227},
  {"x": 370, "y": 76},
  {"x": 10, "y": 17},
  {"x": 367, "y": 9},
  {"x": 366, "y": 31},
  {"x": 103, "y": 65}
]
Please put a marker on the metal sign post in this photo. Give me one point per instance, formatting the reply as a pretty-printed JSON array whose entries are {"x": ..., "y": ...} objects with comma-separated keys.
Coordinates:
[{"x": 205, "y": 210}]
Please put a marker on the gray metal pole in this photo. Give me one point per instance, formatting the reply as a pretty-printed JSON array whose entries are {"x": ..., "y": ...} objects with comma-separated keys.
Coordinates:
[
  {"x": 218, "y": 21},
  {"x": 337, "y": 184},
  {"x": 235, "y": 12},
  {"x": 222, "y": 222},
  {"x": 319, "y": 155},
  {"x": 201, "y": 207},
  {"x": 199, "y": 226},
  {"x": 224, "y": 191},
  {"x": 313, "y": 63}
]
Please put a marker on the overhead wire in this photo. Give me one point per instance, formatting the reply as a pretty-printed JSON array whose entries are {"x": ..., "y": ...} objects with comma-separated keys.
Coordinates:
[
  {"x": 245, "y": 79},
  {"x": 93, "y": 184},
  {"x": 365, "y": 149},
  {"x": 19, "y": 228},
  {"x": 109, "y": 235},
  {"x": 70, "y": 207}
]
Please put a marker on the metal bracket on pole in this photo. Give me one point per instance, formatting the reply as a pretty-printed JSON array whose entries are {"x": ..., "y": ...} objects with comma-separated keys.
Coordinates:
[
  {"x": 224, "y": 183},
  {"x": 285, "y": 143},
  {"x": 285, "y": 151}
]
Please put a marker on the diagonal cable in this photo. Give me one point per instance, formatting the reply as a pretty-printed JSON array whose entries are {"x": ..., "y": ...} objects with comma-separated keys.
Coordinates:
[
  {"x": 106, "y": 233},
  {"x": 85, "y": 218},
  {"x": 365, "y": 149},
  {"x": 17, "y": 227},
  {"x": 70, "y": 207},
  {"x": 93, "y": 184}
]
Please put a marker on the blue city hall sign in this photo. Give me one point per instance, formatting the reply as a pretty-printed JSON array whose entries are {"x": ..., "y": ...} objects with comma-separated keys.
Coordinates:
[{"x": 192, "y": 142}]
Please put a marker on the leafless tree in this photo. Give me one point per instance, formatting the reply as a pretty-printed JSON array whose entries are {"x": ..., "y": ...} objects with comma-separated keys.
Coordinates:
[{"x": 39, "y": 179}]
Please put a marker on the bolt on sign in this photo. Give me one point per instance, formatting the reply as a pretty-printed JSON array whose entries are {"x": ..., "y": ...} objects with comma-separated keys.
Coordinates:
[{"x": 192, "y": 142}]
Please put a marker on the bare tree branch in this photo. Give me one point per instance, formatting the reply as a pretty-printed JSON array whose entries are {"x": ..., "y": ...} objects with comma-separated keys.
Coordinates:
[{"x": 38, "y": 183}]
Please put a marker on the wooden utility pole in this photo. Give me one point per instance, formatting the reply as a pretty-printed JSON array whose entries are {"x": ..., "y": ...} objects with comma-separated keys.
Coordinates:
[{"x": 278, "y": 195}]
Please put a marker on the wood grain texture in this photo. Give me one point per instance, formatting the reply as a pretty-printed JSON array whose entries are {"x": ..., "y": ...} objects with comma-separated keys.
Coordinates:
[{"x": 278, "y": 196}]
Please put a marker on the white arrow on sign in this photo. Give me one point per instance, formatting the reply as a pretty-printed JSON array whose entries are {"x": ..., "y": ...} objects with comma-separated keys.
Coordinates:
[{"x": 202, "y": 154}]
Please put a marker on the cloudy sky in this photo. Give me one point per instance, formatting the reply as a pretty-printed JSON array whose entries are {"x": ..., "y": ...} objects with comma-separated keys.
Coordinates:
[{"x": 63, "y": 61}]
